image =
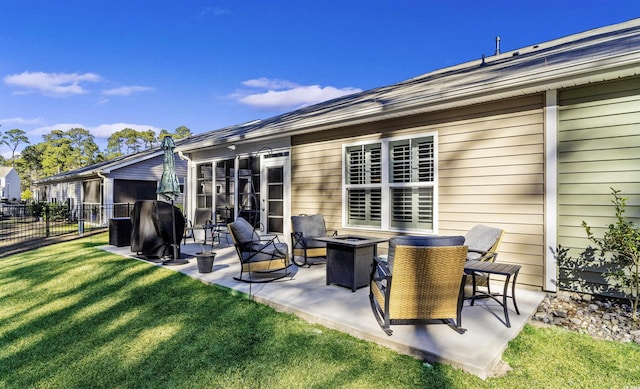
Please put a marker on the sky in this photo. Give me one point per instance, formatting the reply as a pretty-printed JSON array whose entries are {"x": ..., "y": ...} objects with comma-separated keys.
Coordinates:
[{"x": 207, "y": 64}]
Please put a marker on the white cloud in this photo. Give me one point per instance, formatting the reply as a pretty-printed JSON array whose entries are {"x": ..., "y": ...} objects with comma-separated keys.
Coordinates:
[
  {"x": 44, "y": 130},
  {"x": 105, "y": 130},
  {"x": 126, "y": 90},
  {"x": 283, "y": 94},
  {"x": 51, "y": 84},
  {"x": 17, "y": 122},
  {"x": 101, "y": 131},
  {"x": 267, "y": 83}
]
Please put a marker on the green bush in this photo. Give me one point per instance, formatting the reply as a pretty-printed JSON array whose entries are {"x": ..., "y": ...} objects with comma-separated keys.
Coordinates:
[
  {"x": 37, "y": 208},
  {"x": 59, "y": 212},
  {"x": 618, "y": 251}
]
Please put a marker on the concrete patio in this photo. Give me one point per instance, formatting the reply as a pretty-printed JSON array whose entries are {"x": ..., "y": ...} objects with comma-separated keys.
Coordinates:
[{"x": 305, "y": 294}]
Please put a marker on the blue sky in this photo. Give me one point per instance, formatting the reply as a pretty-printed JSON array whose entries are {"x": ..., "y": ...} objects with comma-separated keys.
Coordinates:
[{"x": 205, "y": 64}]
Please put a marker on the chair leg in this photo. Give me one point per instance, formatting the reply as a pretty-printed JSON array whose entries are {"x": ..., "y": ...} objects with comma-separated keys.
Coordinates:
[
  {"x": 458, "y": 323},
  {"x": 381, "y": 317},
  {"x": 270, "y": 279},
  {"x": 251, "y": 280},
  {"x": 455, "y": 327},
  {"x": 302, "y": 264},
  {"x": 297, "y": 263}
]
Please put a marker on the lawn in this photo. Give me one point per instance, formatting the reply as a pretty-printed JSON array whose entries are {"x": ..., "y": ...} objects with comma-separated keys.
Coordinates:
[{"x": 74, "y": 316}]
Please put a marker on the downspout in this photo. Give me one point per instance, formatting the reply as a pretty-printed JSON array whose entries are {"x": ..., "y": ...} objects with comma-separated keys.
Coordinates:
[
  {"x": 104, "y": 179},
  {"x": 183, "y": 157},
  {"x": 551, "y": 122},
  {"x": 106, "y": 212},
  {"x": 187, "y": 200}
]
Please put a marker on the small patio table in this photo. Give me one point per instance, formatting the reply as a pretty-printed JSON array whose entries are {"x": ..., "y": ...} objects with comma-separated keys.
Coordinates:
[
  {"x": 502, "y": 269},
  {"x": 350, "y": 259}
]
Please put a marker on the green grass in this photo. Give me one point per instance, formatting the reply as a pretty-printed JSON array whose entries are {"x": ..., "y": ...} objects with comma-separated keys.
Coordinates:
[{"x": 73, "y": 316}]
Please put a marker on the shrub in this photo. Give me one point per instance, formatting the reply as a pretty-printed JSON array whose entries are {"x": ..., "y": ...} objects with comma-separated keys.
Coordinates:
[
  {"x": 36, "y": 209},
  {"x": 618, "y": 251},
  {"x": 59, "y": 212}
]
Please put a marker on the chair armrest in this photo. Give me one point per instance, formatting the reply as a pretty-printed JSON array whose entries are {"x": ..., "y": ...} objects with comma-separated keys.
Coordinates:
[
  {"x": 382, "y": 269},
  {"x": 485, "y": 255},
  {"x": 269, "y": 238}
]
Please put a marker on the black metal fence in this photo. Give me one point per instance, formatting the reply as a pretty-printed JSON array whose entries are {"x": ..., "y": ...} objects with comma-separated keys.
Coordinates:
[{"x": 25, "y": 222}]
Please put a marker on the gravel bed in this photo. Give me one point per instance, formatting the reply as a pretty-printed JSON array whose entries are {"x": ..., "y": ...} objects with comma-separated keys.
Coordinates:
[{"x": 601, "y": 319}]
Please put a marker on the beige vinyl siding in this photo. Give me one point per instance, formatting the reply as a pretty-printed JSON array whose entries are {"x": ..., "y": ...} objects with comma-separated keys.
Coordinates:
[
  {"x": 491, "y": 171},
  {"x": 599, "y": 149},
  {"x": 316, "y": 181}
]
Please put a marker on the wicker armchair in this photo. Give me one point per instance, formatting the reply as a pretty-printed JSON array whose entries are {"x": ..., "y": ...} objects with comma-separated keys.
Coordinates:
[
  {"x": 421, "y": 282},
  {"x": 259, "y": 255},
  {"x": 305, "y": 228}
]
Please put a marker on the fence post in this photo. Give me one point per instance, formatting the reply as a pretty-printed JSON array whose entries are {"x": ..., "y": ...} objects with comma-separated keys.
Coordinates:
[{"x": 47, "y": 217}]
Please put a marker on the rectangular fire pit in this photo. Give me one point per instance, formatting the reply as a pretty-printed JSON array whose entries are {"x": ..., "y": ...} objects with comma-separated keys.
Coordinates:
[{"x": 350, "y": 259}]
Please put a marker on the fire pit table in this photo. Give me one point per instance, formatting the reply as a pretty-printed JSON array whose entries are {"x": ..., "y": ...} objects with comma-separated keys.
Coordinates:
[{"x": 350, "y": 259}]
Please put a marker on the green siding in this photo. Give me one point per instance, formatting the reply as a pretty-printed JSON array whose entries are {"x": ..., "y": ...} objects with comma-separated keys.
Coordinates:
[{"x": 598, "y": 149}]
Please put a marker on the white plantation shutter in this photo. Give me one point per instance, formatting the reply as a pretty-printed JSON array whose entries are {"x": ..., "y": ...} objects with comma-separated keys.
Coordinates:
[
  {"x": 364, "y": 199},
  {"x": 425, "y": 160},
  {"x": 410, "y": 184},
  {"x": 400, "y": 162},
  {"x": 412, "y": 208}
]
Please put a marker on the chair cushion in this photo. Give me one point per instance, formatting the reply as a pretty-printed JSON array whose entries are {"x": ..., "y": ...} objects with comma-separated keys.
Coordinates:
[
  {"x": 265, "y": 252},
  {"x": 311, "y": 243},
  {"x": 481, "y": 238},
  {"x": 244, "y": 232},
  {"x": 311, "y": 226},
  {"x": 421, "y": 241}
]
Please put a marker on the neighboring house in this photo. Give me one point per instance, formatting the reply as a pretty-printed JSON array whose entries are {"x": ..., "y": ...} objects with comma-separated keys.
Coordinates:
[
  {"x": 110, "y": 188},
  {"x": 529, "y": 140},
  {"x": 9, "y": 184}
]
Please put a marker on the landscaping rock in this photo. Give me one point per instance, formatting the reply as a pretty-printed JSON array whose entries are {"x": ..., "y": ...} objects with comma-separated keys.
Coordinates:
[{"x": 585, "y": 314}]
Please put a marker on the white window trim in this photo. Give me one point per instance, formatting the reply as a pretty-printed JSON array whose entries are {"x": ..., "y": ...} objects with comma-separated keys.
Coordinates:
[{"x": 385, "y": 216}]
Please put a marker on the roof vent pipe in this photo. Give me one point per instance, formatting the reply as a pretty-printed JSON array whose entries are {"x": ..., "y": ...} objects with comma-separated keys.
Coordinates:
[{"x": 497, "y": 45}]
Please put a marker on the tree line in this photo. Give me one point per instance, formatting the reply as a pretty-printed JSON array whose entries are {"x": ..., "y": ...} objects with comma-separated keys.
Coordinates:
[{"x": 63, "y": 151}]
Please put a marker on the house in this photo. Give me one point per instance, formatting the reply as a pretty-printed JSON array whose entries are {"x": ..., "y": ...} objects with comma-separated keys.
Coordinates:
[
  {"x": 9, "y": 184},
  {"x": 110, "y": 188},
  {"x": 529, "y": 140}
]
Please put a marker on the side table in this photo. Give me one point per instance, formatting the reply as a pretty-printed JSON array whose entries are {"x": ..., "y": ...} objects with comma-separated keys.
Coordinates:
[{"x": 501, "y": 269}]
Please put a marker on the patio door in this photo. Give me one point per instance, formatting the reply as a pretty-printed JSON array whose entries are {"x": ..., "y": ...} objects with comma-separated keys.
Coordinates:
[{"x": 274, "y": 207}]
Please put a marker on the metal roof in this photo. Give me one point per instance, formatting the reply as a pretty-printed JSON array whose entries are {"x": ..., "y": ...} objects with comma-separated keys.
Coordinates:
[{"x": 596, "y": 55}]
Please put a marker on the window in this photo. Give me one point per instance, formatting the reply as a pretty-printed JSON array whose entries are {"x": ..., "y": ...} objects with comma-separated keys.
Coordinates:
[
  {"x": 389, "y": 185},
  {"x": 364, "y": 178}
]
